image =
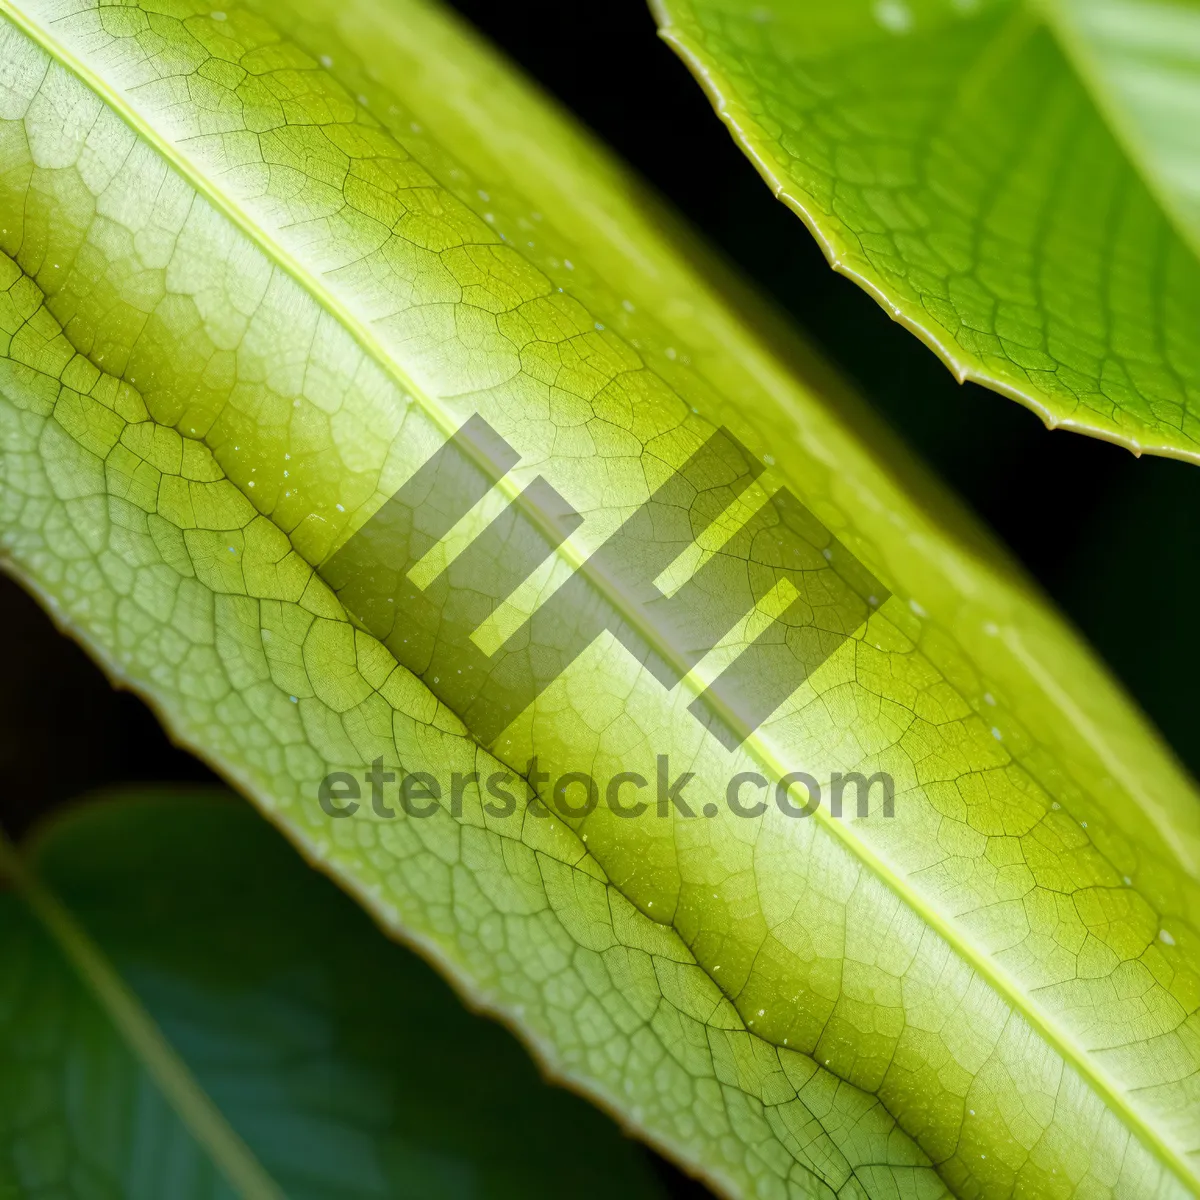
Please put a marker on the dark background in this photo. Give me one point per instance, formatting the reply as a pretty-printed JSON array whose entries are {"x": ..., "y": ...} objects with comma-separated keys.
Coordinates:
[{"x": 1114, "y": 541}]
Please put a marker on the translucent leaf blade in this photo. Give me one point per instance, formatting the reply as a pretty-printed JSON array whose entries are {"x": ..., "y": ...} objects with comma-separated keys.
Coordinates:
[
  {"x": 951, "y": 161},
  {"x": 1141, "y": 62},
  {"x": 257, "y": 278}
]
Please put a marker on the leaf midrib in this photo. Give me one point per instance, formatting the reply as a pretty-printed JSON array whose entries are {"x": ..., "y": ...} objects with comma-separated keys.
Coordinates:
[
  {"x": 1112, "y": 111},
  {"x": 716, "y": 87},
  {"x": 570, "y": 551}
]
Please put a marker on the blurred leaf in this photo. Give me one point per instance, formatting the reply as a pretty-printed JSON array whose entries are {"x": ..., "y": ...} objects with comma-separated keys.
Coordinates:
[
  {"x": 197, "y": 1014},
  {"x": 1019, "y": 184},
  {"x": 262, "y": 262},
  {"x": 1140, "y": 60}
]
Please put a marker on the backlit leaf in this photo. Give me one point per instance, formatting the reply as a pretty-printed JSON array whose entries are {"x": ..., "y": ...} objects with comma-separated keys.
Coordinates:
[
  {"x": 1019, "y": 184},
  {"x": 262, "y": 263}
]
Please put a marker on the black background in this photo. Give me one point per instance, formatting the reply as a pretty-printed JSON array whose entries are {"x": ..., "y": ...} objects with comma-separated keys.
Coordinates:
[{"x": 1114, "y": 541}]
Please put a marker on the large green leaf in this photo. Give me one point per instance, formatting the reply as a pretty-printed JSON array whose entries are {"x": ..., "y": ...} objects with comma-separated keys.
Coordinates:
[
  {"x": 261, "y": 262},
  {"x": 1018, "y": 183},
  {"x": 188, "y": 1012}
]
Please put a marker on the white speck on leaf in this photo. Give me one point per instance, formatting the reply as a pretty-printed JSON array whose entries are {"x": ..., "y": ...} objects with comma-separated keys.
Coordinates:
[{"x": 893, "y": 15}]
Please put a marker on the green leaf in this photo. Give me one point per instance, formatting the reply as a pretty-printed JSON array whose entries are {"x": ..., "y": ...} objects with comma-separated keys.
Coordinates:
[
  {"x": 1140, "y": 60},
  {"x": 195, "y": 1012},
  {"x": 1016, "y": 183},
  {"x": 262, "y": 262}
]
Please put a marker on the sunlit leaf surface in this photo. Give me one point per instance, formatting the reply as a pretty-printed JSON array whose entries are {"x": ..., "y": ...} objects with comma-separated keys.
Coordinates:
[
  {"x": 188, "y": 1012},
  {"x": 262, "y": 263},
  {"x": 1017, "y": 183}
]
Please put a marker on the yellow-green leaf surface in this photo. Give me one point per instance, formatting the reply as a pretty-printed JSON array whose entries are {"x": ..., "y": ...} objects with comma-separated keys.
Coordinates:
[
  {"x": 1018, "y": 183},
  {"x": 261, "y": 263},
  {"x": 188, "y": 1013}
]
